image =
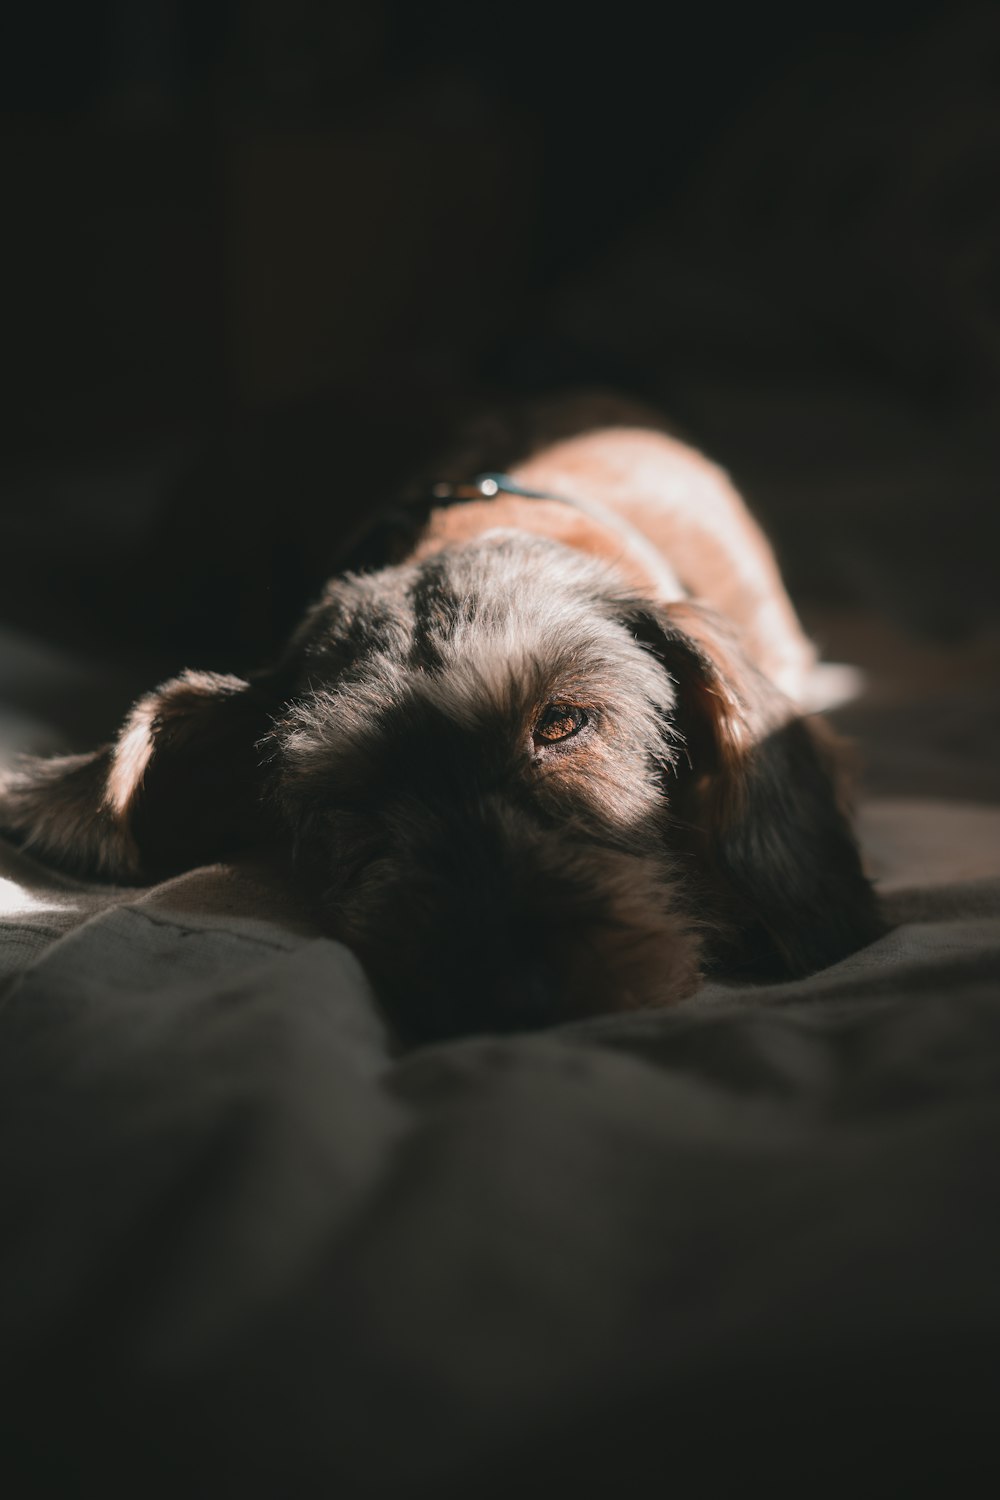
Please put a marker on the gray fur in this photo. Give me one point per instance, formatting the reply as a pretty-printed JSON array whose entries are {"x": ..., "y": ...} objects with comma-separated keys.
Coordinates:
[{"x": 486, "y": 878}]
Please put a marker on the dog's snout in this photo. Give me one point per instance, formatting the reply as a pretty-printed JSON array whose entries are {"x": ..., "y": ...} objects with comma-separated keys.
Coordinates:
[
  {"x": 530, "y": 994},
  {"x": 508, "y": 993},
  {"x": 501, "y": 922}
]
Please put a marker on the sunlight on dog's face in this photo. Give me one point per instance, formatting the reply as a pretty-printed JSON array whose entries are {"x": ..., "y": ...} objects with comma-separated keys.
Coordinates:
[
  {"x": 473, "y": 771},
  {"x": 479, "y": 766}
]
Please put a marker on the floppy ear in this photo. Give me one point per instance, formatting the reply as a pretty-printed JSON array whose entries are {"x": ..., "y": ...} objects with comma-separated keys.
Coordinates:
[
  {"x": 181, "y": 785},
  {"x": 760, "y": 805}
]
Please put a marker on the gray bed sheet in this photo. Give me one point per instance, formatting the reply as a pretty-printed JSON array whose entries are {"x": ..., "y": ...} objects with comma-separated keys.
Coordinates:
[{"x": 250, "y": 1248}]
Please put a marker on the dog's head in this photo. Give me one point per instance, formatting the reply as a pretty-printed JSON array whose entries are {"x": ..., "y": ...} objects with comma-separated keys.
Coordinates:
[{"x": 519, "y": 794}]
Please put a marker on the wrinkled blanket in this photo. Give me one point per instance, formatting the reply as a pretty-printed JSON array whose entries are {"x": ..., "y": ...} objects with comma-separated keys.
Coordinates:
[{"x": 250, "y": 1248}]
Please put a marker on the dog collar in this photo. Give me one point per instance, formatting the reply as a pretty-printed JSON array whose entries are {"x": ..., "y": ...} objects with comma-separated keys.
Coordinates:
[
  {"x": 484, "y": 487},
  {"x": 397, "y": 529},
  {"x": 487, "y": 486}
]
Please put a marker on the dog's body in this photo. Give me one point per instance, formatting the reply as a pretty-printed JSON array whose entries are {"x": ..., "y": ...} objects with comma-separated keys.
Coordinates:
[{"x": 548, "y": 762}]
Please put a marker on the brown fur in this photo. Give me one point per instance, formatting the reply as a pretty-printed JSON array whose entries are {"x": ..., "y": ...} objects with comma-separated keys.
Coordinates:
[{"x": 488, "y": 876}]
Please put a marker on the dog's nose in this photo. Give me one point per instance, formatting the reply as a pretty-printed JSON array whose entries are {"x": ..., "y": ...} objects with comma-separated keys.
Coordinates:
[
  {"x": 528, "y": 996},
  {"x": 523, "y": 991}
]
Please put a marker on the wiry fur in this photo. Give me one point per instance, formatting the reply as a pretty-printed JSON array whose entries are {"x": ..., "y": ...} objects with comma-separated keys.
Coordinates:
[{"x": 486, "y": 877}]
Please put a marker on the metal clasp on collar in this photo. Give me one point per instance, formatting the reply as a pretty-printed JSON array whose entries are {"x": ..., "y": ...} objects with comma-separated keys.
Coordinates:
[{"x": 483, "y": 487}]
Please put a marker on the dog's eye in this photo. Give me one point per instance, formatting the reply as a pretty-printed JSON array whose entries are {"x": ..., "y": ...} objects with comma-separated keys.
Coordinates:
[{"x": 559, "y": 722}]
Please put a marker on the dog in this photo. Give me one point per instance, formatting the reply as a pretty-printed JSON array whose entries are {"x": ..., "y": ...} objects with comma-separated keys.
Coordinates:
[{"x": 548, "y": 754}]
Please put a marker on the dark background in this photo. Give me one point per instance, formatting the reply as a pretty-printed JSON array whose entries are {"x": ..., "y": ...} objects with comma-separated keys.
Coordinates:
[
  {"x": 265, "y": 257},
  {"x": 261, "y": 261}
]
